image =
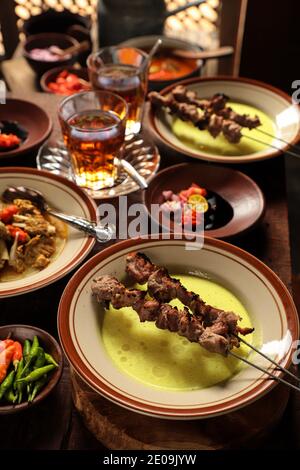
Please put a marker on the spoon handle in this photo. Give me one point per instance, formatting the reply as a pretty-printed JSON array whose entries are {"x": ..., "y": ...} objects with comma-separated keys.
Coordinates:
[
  {"x": 102, "y": 233},
  {"x": 134, "y": 174},
  {"x": 207, "y": 54},
  {"x": 81, "y": 47}
]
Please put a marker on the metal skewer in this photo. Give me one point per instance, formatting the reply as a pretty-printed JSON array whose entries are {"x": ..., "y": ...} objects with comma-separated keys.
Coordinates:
[
  {"x": 279, "y": 379},
  {"x": 293, "y": 154},
  {"x": 283, "y": 369},
  {"x": 296, "y": 147}
]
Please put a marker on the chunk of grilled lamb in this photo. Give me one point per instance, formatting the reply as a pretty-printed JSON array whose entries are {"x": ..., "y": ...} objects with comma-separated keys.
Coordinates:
[{"x": 139, "y": 267}]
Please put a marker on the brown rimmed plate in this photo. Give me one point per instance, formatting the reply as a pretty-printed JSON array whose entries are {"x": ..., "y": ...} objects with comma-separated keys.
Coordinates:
[
  {"x": 32, "y": 118},
  {"x": 66, "y": 197},
  {"x": 267, "y": 300},
  {"x": 50, "y": 345},
  {"x": 52, "y": 74},
  {"x": 242, "y": 200},
  {"x": 272, "y": 101}
]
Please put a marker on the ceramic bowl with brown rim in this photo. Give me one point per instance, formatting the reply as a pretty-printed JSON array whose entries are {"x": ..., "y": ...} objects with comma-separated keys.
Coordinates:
[
  {"x": 279, "y": 116},
  {"x": 66, "y": 197},
  {"x": 33, "y": 120},
  {"x": 52, "y": 74},
  {"x": 270, "y": 308},
  {"x": 240, "y": 203},
  {"x": 50, "y": 345},
  {"x": 181, "y": 68},
  {"x": 45, "y": 41}
]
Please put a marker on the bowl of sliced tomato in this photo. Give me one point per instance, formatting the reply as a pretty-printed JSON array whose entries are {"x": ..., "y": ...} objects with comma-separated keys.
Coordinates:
[
  {"x": 199, "y": 197},
  {"x": 31, "y": 366},
  {"x": 65, "y": 81}
]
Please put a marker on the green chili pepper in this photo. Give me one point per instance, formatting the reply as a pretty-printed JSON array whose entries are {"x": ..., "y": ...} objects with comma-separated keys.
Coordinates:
[
  {"x": 19, "y": 387},
  {"x": 26, "y": 349},
  {"x": 18, "y": 373},
  {"x": 10, "y": 396},
  {"x": 37, "y": 374},
  {"x": 39, "y": 384},
  {"x": 50, "y": 360},
  {"x": 29, "y": 388},
  {"x": 20, "y": 395},
  {"x": 40, "y": 360},
  {"x": 7, "y": 383},
  {"x": 34, "y": 350}
]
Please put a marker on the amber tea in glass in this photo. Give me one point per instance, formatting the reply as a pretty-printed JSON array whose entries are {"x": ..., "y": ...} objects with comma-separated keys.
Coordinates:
[
  {"x": 93, "y": 127},
  {"x": 122, "y": 70}
]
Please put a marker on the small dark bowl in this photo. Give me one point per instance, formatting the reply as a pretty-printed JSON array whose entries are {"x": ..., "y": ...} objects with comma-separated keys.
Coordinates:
[
  {"x": 27, "y": 115},
  {"x": 146, "y": 42},
  {"x": 44, "y": 40},
  {"x": 243, "y": 205},
  {"x": 52, "y": 21},
  {"x": 51, "y": 346},
  {"x": 51, "y": 75}
]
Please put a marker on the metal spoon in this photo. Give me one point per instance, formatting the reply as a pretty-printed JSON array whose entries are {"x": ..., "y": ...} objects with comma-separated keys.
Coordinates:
[
  {"x": 207, "y": 54},
  {"x": 133, "y": 173},
  {"x": 81, "y": 47},
  {"x": 152, "y": 52},
  {"x": 101, "y": 233}
]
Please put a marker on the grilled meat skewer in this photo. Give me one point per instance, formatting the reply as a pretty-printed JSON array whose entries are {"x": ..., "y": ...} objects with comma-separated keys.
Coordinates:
[
  {"x": 108, "y": 289},
  {"x": 212, "y": 114},
  {"x": 216, "y": 105},
  {"x": 199, "y": 118},
  {"x": 164, "y": 288},
  {"x": 218, "y": 337},
  {"x": 185, "y": 111}
]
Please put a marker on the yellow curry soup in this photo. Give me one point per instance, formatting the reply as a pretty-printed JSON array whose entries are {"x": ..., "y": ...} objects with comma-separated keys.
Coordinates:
[
  {"x": 165, "y": 360},
  {"x": 203, "y": 141}
]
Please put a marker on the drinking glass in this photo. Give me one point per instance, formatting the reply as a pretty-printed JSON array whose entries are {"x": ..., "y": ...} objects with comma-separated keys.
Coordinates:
[
  {"x": 122, "y": 70},
  {"x": 93, "y": 126}
]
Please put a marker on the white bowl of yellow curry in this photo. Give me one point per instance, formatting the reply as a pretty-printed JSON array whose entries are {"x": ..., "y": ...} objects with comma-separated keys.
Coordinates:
[
  {"x": 146, "y": 366},
  {"x": 36, "y": 249},
  {"x": 277, "y": 126}
]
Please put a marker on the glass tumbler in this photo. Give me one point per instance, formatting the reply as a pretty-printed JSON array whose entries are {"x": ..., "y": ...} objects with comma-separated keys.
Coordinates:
[
  {"x": 93, "y": 125},
  {"x": 122, "y": 70}
]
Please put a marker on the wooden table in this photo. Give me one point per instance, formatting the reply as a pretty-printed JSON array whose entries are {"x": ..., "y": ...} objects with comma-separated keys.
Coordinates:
[{"x": 55, "y": 424}]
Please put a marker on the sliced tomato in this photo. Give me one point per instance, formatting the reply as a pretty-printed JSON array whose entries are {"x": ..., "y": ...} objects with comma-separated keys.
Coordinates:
[
  {"x": 23, "y": 236},
  {"x": 8, "y": 212}
]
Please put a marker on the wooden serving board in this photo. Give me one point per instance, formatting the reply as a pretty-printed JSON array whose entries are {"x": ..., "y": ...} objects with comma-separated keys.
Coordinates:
[{"x": 120, "y": 429}]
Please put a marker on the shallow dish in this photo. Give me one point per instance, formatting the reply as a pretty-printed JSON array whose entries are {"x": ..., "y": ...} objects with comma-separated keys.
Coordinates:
[
  {"x": 138, "y": 150},
  {"x": 276, "y": 104},
  {"x": 34, "y": 120},
  {"x": 270, "y": 306},
  {"x": 43, "y": 41},
  {"x": 65, "y": 196},
  {"x": 51, "y": 346},
  {"x": 245, "y": 198},
  {"x": 168, "y": 43},
  {"x": 52, "y": 74}
]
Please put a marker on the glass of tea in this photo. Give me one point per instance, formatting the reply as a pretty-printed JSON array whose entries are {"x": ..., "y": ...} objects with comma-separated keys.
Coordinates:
[
  {"x": 122, "y": 70},
  {"x": 93, "y": 125}
]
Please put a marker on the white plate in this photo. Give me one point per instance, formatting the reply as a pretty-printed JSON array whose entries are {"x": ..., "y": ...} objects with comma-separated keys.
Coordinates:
[
  {"x": 267, "y": 300},
  {"x": 272, "y": 101},
  {"x": 66, "y": 197}
]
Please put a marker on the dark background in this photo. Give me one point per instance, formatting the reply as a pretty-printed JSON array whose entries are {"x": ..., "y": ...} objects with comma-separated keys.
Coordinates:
[{"x": 271, "y": 48}]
